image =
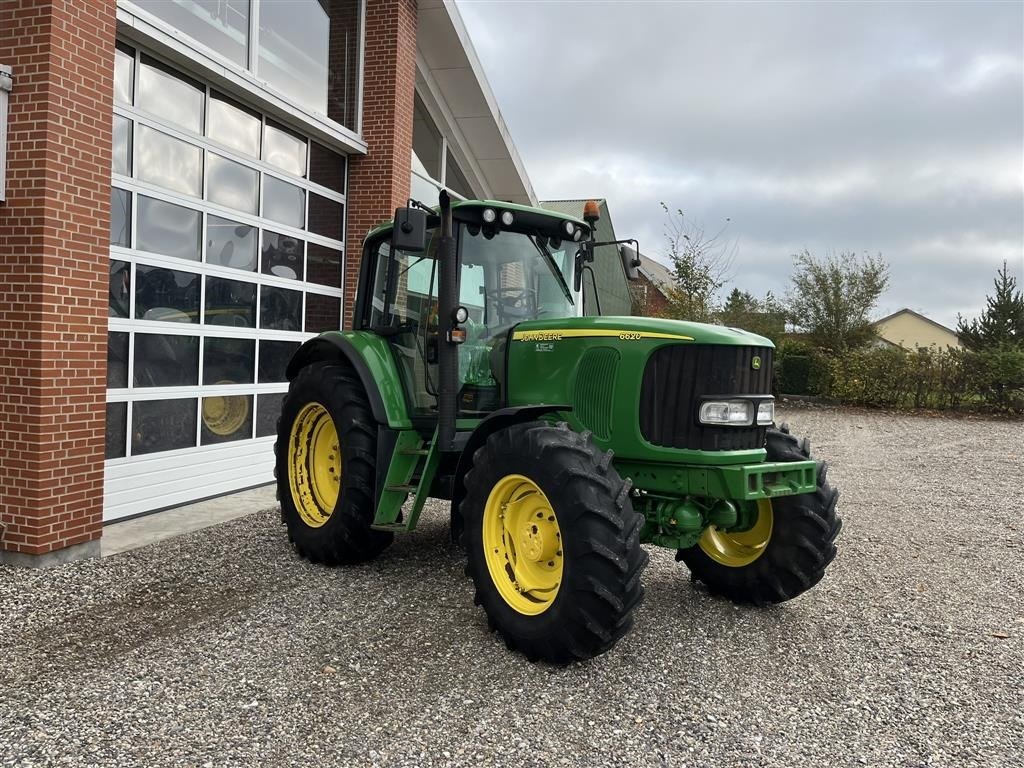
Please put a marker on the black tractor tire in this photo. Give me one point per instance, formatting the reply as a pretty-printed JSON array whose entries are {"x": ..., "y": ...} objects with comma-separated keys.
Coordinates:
[
  {"x": 346, "y": 537},
  {"x": 600, "y": 584},
  {"x": 801, "y": 545}
]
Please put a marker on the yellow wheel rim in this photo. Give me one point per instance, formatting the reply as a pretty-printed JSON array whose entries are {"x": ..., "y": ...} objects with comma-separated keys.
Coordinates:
[
  {"x": 314, "y": 465},
  {"x": 522, "y": 545},
  {"x": 225, "y": 414},
  {"x": 739, "y": 549}
]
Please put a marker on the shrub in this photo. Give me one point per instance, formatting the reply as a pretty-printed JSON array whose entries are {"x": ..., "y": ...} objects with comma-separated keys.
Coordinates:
[{"x": 997, "y": 377}]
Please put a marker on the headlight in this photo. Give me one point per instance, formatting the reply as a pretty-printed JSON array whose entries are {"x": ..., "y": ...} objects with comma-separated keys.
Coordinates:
[
  {"x": 577, "y": 234},
  {"x": 507, "y": 218},
  {"x": 460, "y": 315},
  {"x": 731, "y": 412},
  {"x": 569, "y": 228},
  {"x": 489, "y": 215},
  {"x": 766, "y": 412}
]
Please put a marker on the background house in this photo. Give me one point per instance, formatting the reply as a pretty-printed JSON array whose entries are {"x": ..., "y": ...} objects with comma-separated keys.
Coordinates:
[
  {"x": 909, "y": 329},
  {"x": 651, "y": 291}
]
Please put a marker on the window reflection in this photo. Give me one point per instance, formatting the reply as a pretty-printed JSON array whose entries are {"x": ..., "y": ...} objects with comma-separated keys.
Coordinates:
[
  {"x": 268, "y": 410},
  {"x": 122, "y": 149},
  {"x": 282, "y": 255},
  {"x": 228, "y": 361},
  {"x": 326, "y": 167},
  {"x": 325, "y": 216},
  {"x": 284, "y": 149},
  {"x": 124, "y": 73},
  {"x": 226, "y": 418},
  {"x": 232, "y": 184},
  {"x": 119, "y": 298},
  {"x": 284, "y": 202},
  {"x": 323, "y": 313},
  {"x": 164, "y": 360},
  {"x": 117, "y": 426},
  {"x": 163, "y": 425},
  {"x": 221, "y": 25},
  {"x": 230, "y": 244},
  {"x": 274, "y": 357},
  {"x": 169, "y": 162},
  {"x": 343, "y": 78},
  {"x": 117, "y": 360},
  {"x": 455, "y": 180},
  {"x": 426, "y": 140},
  {"x": 293, "y": 50},
  {"x": 166, "y": 294},
  {"x": 280, "y": 309},
  {"x": 120, "y": 217},
  {"x": 324, "y": 266},
  {"x": 230, "y": 302},
  {"x": 234, "y": 125},
  {"x": 171, "y": 95},
  {"x": 172, "y": 230}
]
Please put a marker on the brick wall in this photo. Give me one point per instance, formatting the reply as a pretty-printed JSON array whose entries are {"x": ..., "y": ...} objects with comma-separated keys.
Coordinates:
[
  {"x": 648, "y": 300},
  {"x": 379, "y": 181},
  {"x": 54, "y": 230}
]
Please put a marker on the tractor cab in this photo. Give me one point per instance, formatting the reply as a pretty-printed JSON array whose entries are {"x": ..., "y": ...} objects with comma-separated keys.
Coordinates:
[{"x": 513, "y": 264}]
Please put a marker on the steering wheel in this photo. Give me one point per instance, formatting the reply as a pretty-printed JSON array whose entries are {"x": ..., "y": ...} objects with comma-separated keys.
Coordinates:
[{"x": 512, "y": 301}]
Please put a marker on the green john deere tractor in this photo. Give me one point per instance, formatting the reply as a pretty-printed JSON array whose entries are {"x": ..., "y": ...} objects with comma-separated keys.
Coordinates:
[{"x": 564, "y": 442}]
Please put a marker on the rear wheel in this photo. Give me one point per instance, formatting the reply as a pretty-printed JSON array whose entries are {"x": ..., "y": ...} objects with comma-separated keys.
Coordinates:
[
  {"x": 786, "y": 550},
  {"x": 326, "y": 451},
  {"x": 553, "y": 543}
]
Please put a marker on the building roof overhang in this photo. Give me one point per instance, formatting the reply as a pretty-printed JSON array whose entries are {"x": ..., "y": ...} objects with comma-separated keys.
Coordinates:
[{"x": 451, "y": 77}]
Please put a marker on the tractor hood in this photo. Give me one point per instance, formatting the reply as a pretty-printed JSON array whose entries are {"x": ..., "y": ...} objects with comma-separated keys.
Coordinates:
[{"x": 630, "y": 328}]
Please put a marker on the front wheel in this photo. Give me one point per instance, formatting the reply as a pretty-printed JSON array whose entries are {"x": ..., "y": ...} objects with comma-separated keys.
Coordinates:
[
  {"x": 553, "y": 543},
  {"x": 786, "y": 550}
]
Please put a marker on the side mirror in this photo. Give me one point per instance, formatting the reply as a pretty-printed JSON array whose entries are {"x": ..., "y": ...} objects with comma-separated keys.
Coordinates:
[
  {"x": 410, "y": 231},
  {"x": 630, "y": 261}
]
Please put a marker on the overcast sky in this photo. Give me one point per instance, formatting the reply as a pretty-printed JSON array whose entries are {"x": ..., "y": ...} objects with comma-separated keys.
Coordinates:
[{"x": 891, "y": 128}]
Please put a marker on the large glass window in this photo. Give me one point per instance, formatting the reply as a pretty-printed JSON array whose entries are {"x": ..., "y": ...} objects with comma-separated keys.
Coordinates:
[
  {"x": 220, "y": 25},
  {"x": 426, "y": 140},
  {"x": 200, "y": 296},
  {"x": 293, "y": 50}
]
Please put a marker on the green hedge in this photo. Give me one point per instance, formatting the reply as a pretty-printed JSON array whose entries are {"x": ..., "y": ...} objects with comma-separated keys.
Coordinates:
[{"x": 891, "y": 377}]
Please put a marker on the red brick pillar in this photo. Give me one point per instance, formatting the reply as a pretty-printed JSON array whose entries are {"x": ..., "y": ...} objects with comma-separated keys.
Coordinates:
[
  {"x": 54, "y": 236},
  {"x": 378, "y": 182}
]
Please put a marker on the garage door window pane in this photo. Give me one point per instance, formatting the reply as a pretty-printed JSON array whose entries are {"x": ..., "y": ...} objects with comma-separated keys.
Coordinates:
[
  {"x": 230, "y": 302},
  {"x": 171, "y": 95},
  {"x": 268, "y": 410},
  {"x": 163, "y": 425},
  {"x": 169, "y": 162},
  {"x": 120, "y": 217},
  {"x": 122, "y": 145},
  {"x": 326, "y": 167},
  {"x": 163, "y": 360},
  {"x": 166, "y": 294},
  {"x": 119, "y": 297},
  {"x": 229, "y": 361},
  {"x": 117, "y": 426},
  {"x": 220, "y": 25},
  {"x": 230, "y": 244},
  {"x": 117, "y": 360},
  {"x": 284, "y": 202},
  {"x": 280, "y": 309},
  {"x": 234, "y": 125},
  {"x": 324, "y": 266},
  {"x": 325, "y": 216},
  {"x": 124, "y": 73},
  {"x": 274, "y": 357},
  {"x": 282, "y": 255},
  {"x": 226, "y": 418},
  {"x": 232, "y": 184},
  {"x": 284, "y": 149},
  {"x": 323, "y": 313},
  {"x": 172, "y": 230}
]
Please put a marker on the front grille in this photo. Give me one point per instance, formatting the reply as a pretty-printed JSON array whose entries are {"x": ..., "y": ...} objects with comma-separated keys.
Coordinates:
[{"x": 678, "y": 376}]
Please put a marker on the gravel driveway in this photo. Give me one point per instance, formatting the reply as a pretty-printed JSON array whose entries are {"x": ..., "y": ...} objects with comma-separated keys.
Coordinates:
[{"x": 223, "y": 648}]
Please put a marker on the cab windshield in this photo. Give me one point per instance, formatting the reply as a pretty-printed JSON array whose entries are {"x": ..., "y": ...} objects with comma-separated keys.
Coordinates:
[{"x": 505, "y": 277}]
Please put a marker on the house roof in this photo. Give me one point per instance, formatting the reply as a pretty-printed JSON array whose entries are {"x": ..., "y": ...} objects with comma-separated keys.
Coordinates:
[
  {"x": 918, "y": 315},
  {"x": 451, "y": 74},
  {"x": 660, "y": 275}
]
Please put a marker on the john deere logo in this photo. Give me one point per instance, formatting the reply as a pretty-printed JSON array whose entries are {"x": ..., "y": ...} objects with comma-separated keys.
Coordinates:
[{"x": 755, "y": 363}]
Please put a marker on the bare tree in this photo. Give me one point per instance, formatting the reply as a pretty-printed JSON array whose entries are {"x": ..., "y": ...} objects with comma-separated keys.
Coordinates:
[{"x": 702, "y": 264}]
